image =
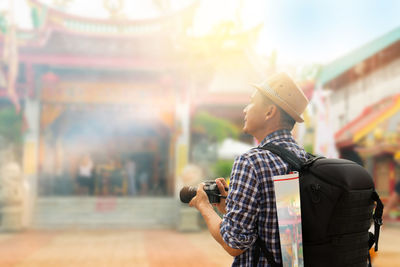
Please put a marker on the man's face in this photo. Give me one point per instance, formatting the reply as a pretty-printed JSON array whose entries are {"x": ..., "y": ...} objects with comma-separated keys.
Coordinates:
[{"x": 254, "y": 114}]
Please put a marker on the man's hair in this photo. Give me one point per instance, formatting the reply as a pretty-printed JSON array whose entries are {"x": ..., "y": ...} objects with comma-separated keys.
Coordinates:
[{"x": 286, "y": 120}]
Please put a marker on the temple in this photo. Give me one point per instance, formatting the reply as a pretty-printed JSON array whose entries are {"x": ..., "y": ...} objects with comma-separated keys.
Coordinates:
[{"x": 121, "y": 92}]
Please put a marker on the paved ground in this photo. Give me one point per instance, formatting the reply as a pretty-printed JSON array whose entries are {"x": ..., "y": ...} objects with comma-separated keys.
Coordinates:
[
  {"x": 110, "y": 248},
  {"x": 149, "y": 248},
  {"x": 389, "y": 247}
]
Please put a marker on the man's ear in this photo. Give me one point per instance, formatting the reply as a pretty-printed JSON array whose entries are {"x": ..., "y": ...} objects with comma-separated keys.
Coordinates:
[{"x": 270, "y": 111}]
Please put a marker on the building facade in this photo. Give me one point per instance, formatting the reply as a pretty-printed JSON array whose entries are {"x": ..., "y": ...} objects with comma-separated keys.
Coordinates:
[{"x": 364, "y": 102}]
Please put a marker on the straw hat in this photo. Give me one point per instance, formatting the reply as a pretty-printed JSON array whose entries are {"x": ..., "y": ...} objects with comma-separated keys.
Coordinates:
[{"x": 282, "y": 90}]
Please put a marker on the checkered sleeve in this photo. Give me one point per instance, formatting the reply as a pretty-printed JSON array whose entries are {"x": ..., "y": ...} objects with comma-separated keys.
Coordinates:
[{"x": 238, "y": 227}]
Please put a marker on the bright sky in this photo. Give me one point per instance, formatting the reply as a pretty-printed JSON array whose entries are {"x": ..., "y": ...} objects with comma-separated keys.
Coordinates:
[
  {"x": 301, "y": 31},
  {"x": 321, "y": 30}
]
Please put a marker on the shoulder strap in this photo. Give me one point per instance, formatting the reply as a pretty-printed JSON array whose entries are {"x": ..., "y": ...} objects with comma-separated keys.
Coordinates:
[
  {"x": 374, "y": 237},
  {"x": 295, "y": 163},
  {"x": 377, "y": 217},
  {"x": 287, "y": 156}
]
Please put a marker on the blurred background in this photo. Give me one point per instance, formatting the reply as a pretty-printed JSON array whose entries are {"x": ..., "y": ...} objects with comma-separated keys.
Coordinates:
[{"x": 109, "y": 107}]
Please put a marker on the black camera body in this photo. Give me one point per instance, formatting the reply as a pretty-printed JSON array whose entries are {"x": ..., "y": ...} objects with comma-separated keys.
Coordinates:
[
  {"x": 188, "y": 192},
  {"x": 212, "y": 191}
]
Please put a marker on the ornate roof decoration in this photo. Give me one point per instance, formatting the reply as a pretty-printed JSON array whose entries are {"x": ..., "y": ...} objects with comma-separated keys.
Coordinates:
[
  {"x": 44, "y": 16},
  {"x": 46, "y": 20},
  {"x": 114, "y": 7},
  {"x": 62, "y": 39}
]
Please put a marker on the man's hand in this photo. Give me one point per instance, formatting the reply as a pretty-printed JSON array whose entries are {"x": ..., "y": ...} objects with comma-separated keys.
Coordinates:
[
  {"x": 213, "y": 221},
  {"x": 221, "y": 183},
  {"x": 201, "y": 198}
]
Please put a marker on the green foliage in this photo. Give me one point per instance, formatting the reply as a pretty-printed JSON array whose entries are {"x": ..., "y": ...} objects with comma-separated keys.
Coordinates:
[
  {"x": 35, "y": 17},
  {"x": 214, "y": 128},
  {"x": 223, "y": 168},
  {"x": 10, "y": 125},
  {"x": 309, "y": 148},
  {"x": 3, "y": 24}
]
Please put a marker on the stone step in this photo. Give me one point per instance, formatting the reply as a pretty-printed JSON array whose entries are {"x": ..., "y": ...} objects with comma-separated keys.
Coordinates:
[{"x": 96, "y": 212}]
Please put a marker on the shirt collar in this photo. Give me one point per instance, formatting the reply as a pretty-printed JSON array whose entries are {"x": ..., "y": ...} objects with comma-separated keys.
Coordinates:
[{"x": 275, "y": 136}]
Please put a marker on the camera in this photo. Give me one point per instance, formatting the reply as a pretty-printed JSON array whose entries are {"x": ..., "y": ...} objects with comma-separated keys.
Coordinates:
[{"x": 188, "y": 192}]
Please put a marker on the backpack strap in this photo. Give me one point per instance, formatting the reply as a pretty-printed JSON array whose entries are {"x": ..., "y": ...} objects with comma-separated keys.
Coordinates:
[
  {"x": 270, "y": 257},
  {"x": 294, "y": 162},
  {"x": 374, "y": 237},
  {"x": 377, "y": 219}
]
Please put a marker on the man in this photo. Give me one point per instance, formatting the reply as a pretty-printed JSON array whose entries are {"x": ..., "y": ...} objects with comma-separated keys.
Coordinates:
[{"x": 250, "y": 208}]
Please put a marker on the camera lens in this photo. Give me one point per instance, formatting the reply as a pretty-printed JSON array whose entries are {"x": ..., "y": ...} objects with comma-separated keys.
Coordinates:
[{"x": 187, "y": 193}]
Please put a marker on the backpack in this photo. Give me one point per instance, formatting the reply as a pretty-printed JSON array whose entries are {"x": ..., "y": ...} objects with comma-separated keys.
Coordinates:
[{"x": 337, "y": 209}]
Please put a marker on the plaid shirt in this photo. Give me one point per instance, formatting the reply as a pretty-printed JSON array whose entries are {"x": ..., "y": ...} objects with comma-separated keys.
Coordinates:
[{"x": 250, "y": 205}]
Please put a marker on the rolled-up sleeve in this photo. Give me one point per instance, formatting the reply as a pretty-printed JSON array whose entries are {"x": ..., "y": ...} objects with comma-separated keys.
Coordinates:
[{"x": 238, "y": 227}]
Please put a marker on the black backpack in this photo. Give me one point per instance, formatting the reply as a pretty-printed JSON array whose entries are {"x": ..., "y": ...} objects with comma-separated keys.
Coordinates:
[{"x": 337, "y": 209}]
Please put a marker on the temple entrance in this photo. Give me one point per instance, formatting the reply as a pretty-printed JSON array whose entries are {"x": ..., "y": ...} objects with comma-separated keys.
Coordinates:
[{"x": 103, "y": 150}]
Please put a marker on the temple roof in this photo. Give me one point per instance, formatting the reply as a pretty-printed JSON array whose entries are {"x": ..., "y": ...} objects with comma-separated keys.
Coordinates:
[
  {"x": 69, "y": 40},
  {"x": 45, "y": 16},
  {"x": 55, "y": 30},
  {"x": 346, "y": 62}
]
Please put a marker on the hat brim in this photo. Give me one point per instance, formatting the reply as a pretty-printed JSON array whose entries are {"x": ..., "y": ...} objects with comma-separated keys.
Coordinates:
[{"x": 280, "y": 103}]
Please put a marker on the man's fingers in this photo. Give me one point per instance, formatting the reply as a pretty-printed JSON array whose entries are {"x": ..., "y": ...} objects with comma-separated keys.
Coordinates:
[
  {"x": 221, "y": 186},
  {"x": 222, "y": 180}
]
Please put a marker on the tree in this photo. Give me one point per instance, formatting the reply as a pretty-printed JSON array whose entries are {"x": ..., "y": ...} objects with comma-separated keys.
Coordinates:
[
  {"x": 10, "y": 125},
  {"x": 212, "y": 128}
]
